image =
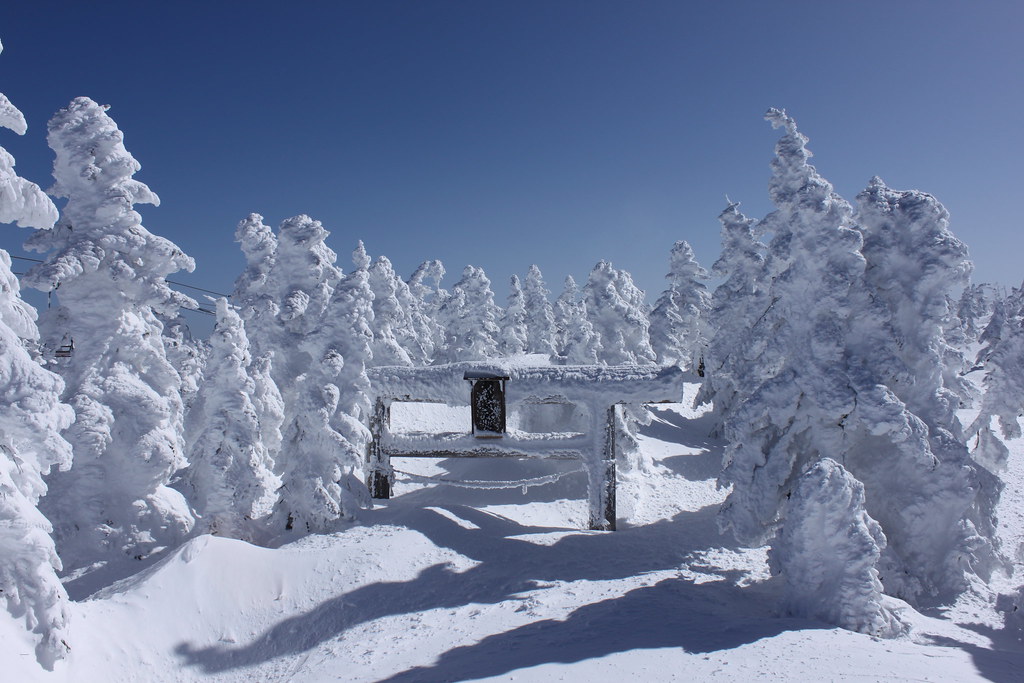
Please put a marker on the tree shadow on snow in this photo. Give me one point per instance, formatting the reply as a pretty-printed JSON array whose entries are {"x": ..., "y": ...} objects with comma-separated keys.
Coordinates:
[
  {"x": 700, "y": 617},
  {"x": 673, "y": 613},
  {"x": 1001, "y": 663}
]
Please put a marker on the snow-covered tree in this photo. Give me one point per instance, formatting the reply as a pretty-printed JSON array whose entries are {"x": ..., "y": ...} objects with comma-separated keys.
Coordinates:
[
  {"x": 512, "y": 326},
  {"x": 913, "y": 263},
  {"x": 679, "y": 322},
  {"x": 114, "y": 503},
  {"x": 1004, "y": 399},
  {"x": 827, "y": 553},
  {"x": 253, "y": 296},
  {"x": 973, "y": 306},
  {"x": 825, "y": 352},
  {"x": 230, "y": 477},
  {"x": 617, "y": 310},
  {"x": 470, "y": 320},
  {"x": 300, "y": 283},
  {"x": 392, "y": 324},
  {"x": 186, "y": 354},
  {"x": 737, "y": 307},
  {"x": 327, "y": 436},
  {"x": 540, "y": 319},
  {"x": 576, "y": 340},
  {"x": 421, "y": 332},
  {"x": 1007, "y": 313},
  {"x": 425, "y": 288},
  {"x": 32, "y": 417}
]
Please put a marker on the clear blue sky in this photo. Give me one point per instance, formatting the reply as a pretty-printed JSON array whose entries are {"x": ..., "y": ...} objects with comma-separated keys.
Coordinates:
[{"x": 508, "y": 133}]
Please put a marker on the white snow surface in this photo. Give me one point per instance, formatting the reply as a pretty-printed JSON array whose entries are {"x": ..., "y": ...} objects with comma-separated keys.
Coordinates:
[{"x": 444, "y": 584}]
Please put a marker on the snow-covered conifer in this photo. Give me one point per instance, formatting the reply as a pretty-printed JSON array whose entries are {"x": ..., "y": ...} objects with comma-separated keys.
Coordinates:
[
  {"x": 326, "y": 437},
  {"x": 186, "y": 354},
  {"x": 470, "y": 320},
  {"x": 230, "y": 476},
  {"x": 256, "y": 302},
  {"x": 300, "y": 282},
  {"x": 828, "y": 550},
  {"x": 824, "y": 353},
  {"x": 618, "y": 312},
  {"x": 913, "y": 263},
  {"x": 576, "y": 340},
  {"x": 736, "y": 309},
  {"x": 32, "y": 417},
  {"x": 392, "y": 324},
  {"x": 1003, "y": 400},
  {"x": 425, "y": 288},
  {"x": 114, "y": 503},
  {"x": 679, "y": 321},
  {"x": 973, "y": 306},
  {"x": 540, "y": 319},
  {"x": 513, "y": 330}
]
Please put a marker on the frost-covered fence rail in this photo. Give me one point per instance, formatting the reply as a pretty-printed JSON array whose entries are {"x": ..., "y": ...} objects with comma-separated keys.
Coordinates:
[{"x": 558, "y": 412}]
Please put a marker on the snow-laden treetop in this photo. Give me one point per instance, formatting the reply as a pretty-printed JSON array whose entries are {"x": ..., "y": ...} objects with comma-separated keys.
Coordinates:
[
  {"x": 99, "y": 229},
  {"x": 21, "y": 201}
]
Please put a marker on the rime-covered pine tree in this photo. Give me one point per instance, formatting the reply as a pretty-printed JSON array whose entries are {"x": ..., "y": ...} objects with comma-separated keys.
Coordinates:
[
  {"x": 824, "y": 353},
  {"x": 300, "y": 283},
  {"x": 679, "y": 322},
  {"x": 913, "y": 263},
  {"x": 470, "y": 320},
  {"x": 391, "y": 321},
  {"x": 326, "y": 437},
  {"x": 513, "y": 330},
  {"x": 186, "y": 354},
  {"x": 230, "y": 477},
  {"x": 114, "y": 503},
  {"x": 253, "y": 296},
  {"x": 32, "y": 417},
  {"x": 576, "y": 340},
  {"x": 830, "y": 548},
  {"x": 425, "y": 288},
  {"x": 1003, "y": 400},
  {"x": 540, "y": 319},
  {"x": 618, "y": 312},
  {"x": 737, "y": 307}
]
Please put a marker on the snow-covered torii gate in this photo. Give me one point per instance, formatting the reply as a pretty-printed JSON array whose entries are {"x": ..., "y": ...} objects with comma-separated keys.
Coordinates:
[{"x": 563, "y": 412}]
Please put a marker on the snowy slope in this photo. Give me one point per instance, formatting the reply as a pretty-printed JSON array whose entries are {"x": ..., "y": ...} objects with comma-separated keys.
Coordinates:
[{"x": 443, "y": 583}]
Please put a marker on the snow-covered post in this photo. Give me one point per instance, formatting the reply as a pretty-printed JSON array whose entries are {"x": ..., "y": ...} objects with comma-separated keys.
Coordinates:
[
  {"x": 114, "y": 503},
  {"x": 32, "y": 417},
  {"x": 230, "y": 473},
  {"x": 601, "y": 473},
  {"x": 679, "y": 321},
  {"x": 380, "y": 475}
]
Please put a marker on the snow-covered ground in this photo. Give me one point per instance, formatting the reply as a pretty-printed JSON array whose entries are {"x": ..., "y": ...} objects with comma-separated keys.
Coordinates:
[{"x": 448, "y": 584}]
